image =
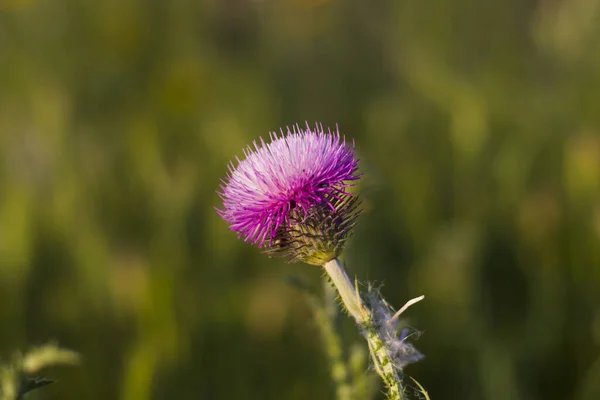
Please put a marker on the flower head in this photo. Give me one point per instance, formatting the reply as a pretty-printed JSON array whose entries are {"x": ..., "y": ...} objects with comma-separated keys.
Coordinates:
[{"x": 290, "y": 195}]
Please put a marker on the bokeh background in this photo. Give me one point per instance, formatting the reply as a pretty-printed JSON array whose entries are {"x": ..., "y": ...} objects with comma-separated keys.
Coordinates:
[{"x": 478, "y": 128}]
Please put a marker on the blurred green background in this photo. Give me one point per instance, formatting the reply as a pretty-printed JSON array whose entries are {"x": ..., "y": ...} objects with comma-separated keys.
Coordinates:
[{"x": 478, "y": 128}]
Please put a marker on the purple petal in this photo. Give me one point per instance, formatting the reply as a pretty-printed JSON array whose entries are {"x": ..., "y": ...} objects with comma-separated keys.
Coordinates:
[{"x": 299, "y": 169}]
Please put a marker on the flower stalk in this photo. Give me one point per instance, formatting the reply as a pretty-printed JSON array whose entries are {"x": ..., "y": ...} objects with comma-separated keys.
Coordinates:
[
  {"x": 389, "y": 354},
  {"x": 348, "y": 292},
  {"x": 384, "y": 366}
]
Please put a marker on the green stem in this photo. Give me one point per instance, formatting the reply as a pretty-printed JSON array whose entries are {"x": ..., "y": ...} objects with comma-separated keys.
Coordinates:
[
  {"x": 357, "y": 308},
  {"x": 383, "y": 365},
  {"x": 348, "y": 293}
]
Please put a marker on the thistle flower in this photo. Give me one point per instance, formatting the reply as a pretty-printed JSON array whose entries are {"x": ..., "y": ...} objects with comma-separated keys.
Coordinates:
[{"x": 290, "y": 196}]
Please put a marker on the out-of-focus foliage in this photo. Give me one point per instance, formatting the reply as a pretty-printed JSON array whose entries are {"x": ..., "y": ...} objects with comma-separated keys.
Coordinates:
[
  {"x": 20, "y": 376},
  {"x": 478, "y": 126}
]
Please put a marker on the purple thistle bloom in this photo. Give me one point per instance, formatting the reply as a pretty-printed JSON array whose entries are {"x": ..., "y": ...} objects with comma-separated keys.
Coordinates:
[{"x": 292, "y": 188}]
